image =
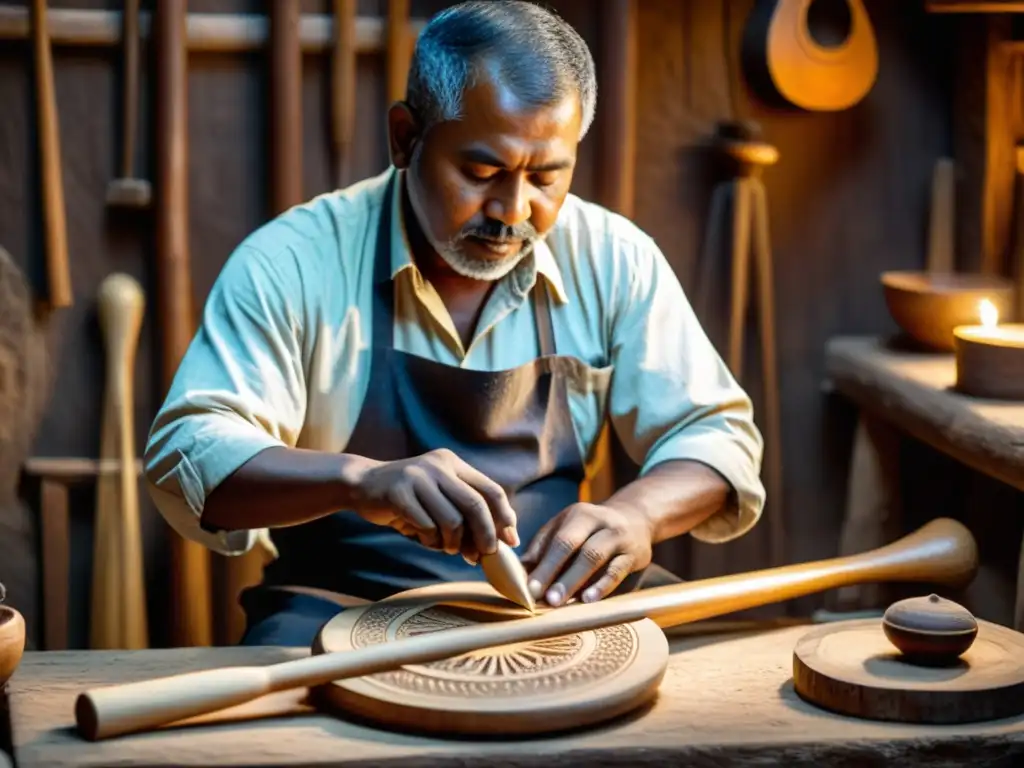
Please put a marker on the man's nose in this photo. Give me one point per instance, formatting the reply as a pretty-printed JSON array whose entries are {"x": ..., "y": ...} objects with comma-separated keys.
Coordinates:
[{"x": 510, "y": 204}]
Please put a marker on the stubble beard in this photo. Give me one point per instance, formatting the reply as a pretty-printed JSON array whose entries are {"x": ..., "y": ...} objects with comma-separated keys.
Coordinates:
[{"x": 452, "y": 252}]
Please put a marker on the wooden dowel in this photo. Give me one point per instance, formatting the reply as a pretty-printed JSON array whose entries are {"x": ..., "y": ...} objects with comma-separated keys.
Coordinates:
[
  {"x": 398, "y": 49},
  {"x": 205, "y": 32},
  {"x": 58, "y": 271}
]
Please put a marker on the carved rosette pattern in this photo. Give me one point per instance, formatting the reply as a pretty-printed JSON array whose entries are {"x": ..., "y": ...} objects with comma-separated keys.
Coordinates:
[{"x": 554, "y": 665}]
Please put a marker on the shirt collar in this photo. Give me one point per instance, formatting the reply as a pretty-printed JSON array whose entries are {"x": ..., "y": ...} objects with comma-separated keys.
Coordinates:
[{"x": 540, "y": 262}]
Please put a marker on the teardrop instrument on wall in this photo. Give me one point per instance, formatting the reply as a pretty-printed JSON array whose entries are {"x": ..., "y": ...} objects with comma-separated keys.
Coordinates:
[{"x": 818, "y": 55}]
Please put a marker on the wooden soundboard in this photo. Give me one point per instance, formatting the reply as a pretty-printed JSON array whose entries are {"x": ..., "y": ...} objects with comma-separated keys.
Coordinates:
[{"x": 728, "y": 696}]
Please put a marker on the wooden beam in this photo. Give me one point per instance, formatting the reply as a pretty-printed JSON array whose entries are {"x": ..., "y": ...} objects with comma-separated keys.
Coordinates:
[
  {"x": 984, "y": 142},
  {"x": 205, "y": 32},
  {"x": 967, "y": 6}
]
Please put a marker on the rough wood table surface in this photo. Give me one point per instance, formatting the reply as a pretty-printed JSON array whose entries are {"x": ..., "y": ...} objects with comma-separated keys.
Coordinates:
[
  {"x": 726, "y": 700},
  {"x": 914, "y": 390}
]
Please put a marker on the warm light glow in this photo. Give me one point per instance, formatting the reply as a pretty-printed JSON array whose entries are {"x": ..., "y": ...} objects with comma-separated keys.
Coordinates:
[{"x": 989, "y": 313}]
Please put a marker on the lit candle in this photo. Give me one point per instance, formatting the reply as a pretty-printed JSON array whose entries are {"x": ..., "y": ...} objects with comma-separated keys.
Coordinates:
[{"x": 990, "y": 356}]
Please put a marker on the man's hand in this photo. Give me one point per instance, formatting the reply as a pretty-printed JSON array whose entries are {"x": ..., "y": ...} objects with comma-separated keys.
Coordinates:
[
  {"x": 588, "y": 547},
  {"x": 439, "y": 499}
]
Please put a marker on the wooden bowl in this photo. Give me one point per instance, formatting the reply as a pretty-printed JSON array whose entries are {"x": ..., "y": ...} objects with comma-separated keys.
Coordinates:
[
  {"x": 12, "y": 642},
  {"x": 927, "y": 306}
]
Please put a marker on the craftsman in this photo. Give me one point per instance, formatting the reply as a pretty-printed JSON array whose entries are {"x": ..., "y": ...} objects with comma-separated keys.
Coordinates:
[{"x": 391, "y": 377}]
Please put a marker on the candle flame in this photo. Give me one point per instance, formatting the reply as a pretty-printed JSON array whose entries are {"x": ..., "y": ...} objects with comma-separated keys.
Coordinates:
[{"x": 989, "y": 313}]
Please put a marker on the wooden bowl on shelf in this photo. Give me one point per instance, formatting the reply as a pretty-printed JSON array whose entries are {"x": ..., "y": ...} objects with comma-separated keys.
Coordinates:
[{"x": 927, "y": 306}]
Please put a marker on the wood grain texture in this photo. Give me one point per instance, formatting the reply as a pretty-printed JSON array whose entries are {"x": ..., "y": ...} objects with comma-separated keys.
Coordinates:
[
  {"x": 726, "y": 700},
  {"x": 190, "y": 601},
  {"x": 543, "y": 686},
  {"x": 985, "y": 108},
  {"x": 58, "y": 269},
  {"x": 911, "y": 390},
  {"x": 851, "y": 668}
]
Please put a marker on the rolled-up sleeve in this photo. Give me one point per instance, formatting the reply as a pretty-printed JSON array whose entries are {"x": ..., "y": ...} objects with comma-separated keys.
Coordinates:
[
  {"x": 673, "y": 397},
  {"x": 239, "y": 389}
]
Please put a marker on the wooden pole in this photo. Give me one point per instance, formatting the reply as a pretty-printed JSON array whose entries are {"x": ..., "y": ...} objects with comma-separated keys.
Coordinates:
[
  {"x": 285, "y": 105},
  {"x": 58, "y": 275},
  {"x": 617, "y": 153},
  {"x": 190, "y": 563}
]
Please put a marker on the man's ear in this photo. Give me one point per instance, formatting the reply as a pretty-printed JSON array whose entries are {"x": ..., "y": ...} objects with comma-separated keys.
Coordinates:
[{"x": 404, "y": 131}]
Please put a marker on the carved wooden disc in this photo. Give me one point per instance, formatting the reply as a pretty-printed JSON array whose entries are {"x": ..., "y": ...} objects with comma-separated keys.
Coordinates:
[
  {"x": 539, "y": 686},
  {"x": 850, "y": 667}
]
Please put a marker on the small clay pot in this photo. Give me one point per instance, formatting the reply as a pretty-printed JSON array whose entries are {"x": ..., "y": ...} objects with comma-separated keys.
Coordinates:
[
  {"x": 12, "y": 641},
  {"x": 930, "y": 630}
]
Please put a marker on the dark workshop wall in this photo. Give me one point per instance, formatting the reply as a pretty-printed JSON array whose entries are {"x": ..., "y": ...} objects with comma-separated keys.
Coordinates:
[{"x": 848, "y": 199}]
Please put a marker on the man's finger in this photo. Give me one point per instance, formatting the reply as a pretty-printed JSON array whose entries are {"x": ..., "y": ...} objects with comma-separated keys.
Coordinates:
[
  {"x": 618, "y": 568},
  {"x": 476, "y": 514},
  {"x": 538, "y": 544},
  {"x": 411, "y": 509},
  {"x": 560, "y": 547},
  {"x": 504, "y": 516},
  {"x": 592, "y": 556},
  {"x": 440, "y": 508}
]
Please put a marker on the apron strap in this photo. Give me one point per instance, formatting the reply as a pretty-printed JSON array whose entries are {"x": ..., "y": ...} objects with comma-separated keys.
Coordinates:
[
  {"x": 542, "y": 311},
  {"x": 383, "y": 285}
]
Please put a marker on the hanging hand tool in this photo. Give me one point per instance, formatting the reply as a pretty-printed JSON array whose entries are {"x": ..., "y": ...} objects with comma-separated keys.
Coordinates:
[
  {"x": 58, "y": 271},
  {"x": 118, "y": 614},
  {"x": 746, "y": 157},
  {"x": 129, "y": 191}
]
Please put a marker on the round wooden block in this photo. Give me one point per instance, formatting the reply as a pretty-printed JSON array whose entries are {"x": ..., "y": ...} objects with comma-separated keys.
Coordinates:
[
  {"x": 851, "y": 668},
  {"x": 534, "y": 687}
]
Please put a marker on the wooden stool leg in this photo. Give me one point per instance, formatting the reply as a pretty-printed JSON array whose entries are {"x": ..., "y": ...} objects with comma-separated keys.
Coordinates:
[
  {"x": 56, "y": 562},
  {"x": 873, "y": 504}
]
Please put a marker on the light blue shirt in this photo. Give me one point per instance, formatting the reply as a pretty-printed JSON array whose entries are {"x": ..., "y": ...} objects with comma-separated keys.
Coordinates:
[{"x": 281, "y": 356}]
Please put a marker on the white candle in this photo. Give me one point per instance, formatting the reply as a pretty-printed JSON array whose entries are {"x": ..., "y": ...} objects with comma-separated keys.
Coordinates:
[{"x": 990, "y": 356}]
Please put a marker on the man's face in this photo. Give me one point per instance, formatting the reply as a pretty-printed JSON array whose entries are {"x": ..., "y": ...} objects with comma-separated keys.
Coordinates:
[{"x": 487, "y": 186}]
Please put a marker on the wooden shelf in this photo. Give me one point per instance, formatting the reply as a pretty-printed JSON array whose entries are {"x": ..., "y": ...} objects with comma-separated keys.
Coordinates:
[
  {"x": 210, "y": 32},
  {"x": 973, "y": 6}
]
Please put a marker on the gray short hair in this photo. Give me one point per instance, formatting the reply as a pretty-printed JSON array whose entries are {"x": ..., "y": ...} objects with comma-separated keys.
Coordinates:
[{"x": 532, "y": 51}]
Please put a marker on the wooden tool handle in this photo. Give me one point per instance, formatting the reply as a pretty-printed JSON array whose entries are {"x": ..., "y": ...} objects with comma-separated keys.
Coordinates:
[
  {"x": 121, "y": 308},
  {"x": 943, "y": 551},
  {"x": 54, "y": 215},
  {"x": 398, "y": 49},
  {"x": 131, "y": 86},
  {"x": 343, "y": 89}
]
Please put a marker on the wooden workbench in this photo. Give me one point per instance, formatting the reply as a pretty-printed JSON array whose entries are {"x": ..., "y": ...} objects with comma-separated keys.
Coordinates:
[
  {"x": 901, "y": 391},
  {"x": 726, "y": 700}
]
